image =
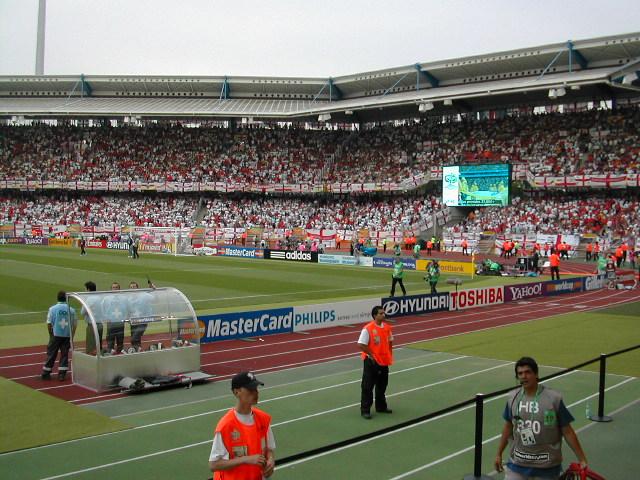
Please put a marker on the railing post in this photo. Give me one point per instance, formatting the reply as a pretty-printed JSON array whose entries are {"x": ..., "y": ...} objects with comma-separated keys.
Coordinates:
[
  {"x": 601, "y": 417},
  {"x": 477, "y": 456}
]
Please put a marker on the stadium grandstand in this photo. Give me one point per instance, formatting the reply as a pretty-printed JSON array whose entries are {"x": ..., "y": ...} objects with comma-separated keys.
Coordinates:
[{"x": 94, "y": 154}]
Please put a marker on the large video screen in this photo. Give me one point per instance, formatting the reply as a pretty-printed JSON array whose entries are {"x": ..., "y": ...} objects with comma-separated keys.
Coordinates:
[{"x": 477, "y": 185}]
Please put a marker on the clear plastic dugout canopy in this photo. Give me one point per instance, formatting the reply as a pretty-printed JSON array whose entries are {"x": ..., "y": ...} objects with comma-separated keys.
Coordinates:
[{"x": 132, "y": 333}]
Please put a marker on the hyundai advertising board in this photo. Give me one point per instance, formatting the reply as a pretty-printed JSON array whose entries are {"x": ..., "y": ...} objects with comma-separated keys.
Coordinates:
[
  {"x": 291, "y": 256},
  {"x": 525, "y": 290},
  {"x": 415, "y": 304},
  {"x": 258, "y": 323}
]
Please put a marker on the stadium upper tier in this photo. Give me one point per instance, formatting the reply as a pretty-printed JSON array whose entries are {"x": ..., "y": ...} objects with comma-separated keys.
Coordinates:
[
  {"x": 583, "y": 70},
  {"x": 589, "y": 142}
]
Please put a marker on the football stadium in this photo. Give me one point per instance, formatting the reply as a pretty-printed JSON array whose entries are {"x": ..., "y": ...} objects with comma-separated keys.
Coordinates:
[{"x": 203, "y": 226}]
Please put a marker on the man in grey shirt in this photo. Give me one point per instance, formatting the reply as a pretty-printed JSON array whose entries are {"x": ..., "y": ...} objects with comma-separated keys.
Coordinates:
[{"x": 536, "y": 420}]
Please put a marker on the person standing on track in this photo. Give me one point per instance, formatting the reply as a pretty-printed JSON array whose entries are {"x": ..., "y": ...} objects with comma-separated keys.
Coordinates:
[
  {"x": 397, "y": 276},
  {"x": 536, "y": 420},
  {"x": 554, "y": 265},
  {"x": 61, "y": 323},
  {"x": 243, "y": 443},
  {"x": 376, "y": 347}
]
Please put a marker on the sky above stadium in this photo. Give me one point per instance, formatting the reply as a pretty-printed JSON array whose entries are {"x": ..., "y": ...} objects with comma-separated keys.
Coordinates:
[{"x": 287, "y": 37}]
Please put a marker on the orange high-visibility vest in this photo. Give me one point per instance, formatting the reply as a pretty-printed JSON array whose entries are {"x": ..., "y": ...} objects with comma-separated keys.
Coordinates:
[
  {"x": 380, "y": 338},
  {"x": 242, "y": 440},
  {"x": 554, "y": 260}
]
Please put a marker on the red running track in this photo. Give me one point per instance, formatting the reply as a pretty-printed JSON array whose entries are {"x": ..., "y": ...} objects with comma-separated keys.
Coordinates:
[{"x": 276, "y": 352}]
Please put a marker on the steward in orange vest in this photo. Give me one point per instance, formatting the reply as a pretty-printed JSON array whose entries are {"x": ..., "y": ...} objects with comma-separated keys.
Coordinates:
[
  {"x": 376, "y": 345},
  {"x": 243, "y": 442}
]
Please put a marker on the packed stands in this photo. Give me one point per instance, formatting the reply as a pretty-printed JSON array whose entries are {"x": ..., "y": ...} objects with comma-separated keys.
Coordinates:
[
  {"x": 592, "y": 141},
  {"x": 94, "y": 210},
  {"x": 559, "y": 214}
]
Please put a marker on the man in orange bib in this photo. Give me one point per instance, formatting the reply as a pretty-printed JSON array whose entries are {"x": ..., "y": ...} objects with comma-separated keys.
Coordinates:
[
  {"x": 376, "y": 345},
  {"x": 243, "y": 442}
]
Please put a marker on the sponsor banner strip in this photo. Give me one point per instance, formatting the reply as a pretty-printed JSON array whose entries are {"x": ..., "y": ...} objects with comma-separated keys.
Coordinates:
[
  {"x": 256, "y": 323},
  {"x": 415, "y": 304}
]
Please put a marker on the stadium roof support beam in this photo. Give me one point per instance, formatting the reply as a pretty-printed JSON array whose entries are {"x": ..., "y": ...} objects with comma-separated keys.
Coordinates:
[
  {"x": 577, "y": 56},
  {"x": 324, "y": 85},
  {"x": 334, "y": 88},
  {"x": 225, "y": 91},
  {"x": 393, "y": 86},
  {"x": 85, "y": 86},
  {"x": 420, "y": 73},
  {"x": 574, "y": 55}
]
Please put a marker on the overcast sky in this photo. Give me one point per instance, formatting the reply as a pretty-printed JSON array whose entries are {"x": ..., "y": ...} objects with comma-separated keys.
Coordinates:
[{"x": 301, "y": 38}]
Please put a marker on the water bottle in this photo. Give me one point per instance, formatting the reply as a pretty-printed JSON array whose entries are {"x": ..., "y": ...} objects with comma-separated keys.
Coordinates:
[{"x": 587, "y": 411}]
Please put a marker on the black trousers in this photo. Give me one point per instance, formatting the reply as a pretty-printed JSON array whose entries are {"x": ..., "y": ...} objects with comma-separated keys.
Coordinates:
[
  {"x": 136, "y": 334},
  {"x": 376, "y": 377},
  {"x": 433, "y": 287},
  {"x": 115, "y": 336},
  {"x": 62, "y": 344},
  {"x": 555, "y": 272},
  {"x": 393, "y": 286}
]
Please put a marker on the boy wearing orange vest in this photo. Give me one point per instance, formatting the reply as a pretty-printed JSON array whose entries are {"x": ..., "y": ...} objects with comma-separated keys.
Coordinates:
[
  {"x": 376, "y": 346},
  {"x": 243, "y": 442}
]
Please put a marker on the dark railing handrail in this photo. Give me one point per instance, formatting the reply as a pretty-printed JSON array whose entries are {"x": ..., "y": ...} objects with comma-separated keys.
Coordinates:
[{"x": 432, "y": 415}]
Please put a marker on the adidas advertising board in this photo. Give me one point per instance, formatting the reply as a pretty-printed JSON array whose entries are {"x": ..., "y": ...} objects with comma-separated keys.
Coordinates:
[
  {"x": 415, "y": 304},
  {"x": 519, "y": 292},
  {"x": 291, "y": 255}
]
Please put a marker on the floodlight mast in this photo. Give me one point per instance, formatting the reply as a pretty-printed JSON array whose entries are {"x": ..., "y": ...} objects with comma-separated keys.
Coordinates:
[{"x": 42, "y": 18}]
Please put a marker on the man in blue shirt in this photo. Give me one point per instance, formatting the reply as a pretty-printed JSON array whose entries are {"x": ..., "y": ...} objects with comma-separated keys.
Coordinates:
[{"x": 61, "y": 322}]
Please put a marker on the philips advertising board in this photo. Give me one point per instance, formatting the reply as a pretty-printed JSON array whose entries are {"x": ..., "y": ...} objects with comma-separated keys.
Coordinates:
[
  {"x": 476, "y": 297},
  {"x": 525, "y": 290},
  {"x": 570, "y": 285},
  {"x": 415, "y": 304},
  {"x": 258, "y": 323},
  {"x": 311, "y": 317},
  {"x": 291, "y": 256}
]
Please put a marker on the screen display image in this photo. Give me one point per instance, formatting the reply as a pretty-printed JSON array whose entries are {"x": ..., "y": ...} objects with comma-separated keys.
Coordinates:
[{"x": 476, "y": 185}]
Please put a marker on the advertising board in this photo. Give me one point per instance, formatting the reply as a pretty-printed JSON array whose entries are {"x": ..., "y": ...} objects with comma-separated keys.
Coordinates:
[
  {"x": 291, "y": 256},
  {"x": 522, "y": 291},
  {"x": 226, "y": 326},
  {"x": 311, "y": 317},
  {"x": 415, "y": 304},
  {"x": 476, "y": 297}
]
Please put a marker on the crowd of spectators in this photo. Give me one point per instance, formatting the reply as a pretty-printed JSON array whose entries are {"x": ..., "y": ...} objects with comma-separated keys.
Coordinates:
[
  {"x": 66, "y": 209},
  {"x": 332, "y": 213},
  {"x": 602, "y": 215},
  {"x": 592, "y": 141}
]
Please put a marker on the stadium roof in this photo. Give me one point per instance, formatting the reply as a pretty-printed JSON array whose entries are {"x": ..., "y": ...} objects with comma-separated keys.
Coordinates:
[{"x": 586, "y": 70}]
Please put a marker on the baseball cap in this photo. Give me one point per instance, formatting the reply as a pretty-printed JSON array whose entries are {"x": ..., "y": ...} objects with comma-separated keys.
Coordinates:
[{"x": 245, "y": 379}]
